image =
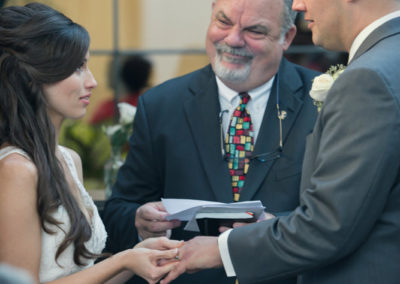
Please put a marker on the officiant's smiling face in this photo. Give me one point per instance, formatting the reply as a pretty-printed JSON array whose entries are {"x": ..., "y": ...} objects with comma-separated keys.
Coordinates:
[
  {"x": 244, "y": 41},
  {"x": 325, "y": 20}
]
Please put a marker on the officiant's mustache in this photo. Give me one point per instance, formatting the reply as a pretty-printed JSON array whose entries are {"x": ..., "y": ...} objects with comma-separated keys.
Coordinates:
[{"x": 235, "y": 51}]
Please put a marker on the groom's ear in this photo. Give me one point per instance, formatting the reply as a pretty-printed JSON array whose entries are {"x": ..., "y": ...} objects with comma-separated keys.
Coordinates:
[{"x": 288, "y": 38}]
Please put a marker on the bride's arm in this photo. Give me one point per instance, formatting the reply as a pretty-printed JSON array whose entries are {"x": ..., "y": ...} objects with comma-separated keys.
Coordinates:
[
  {"x": 141, "y": 261},
  {"x": 119, "y": 267},
  {"x": 163, "y": 244},
  {"x": 20, "y": 238}
]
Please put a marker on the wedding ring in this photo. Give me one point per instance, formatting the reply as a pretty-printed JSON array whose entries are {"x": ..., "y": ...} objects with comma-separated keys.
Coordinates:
[{"x": 177, "y": 257}]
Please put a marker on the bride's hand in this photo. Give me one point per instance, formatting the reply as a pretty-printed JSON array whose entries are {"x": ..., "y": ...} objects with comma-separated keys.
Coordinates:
[
  {"x": 145, "y": 262},
  {"x": 153, "y": 258}
]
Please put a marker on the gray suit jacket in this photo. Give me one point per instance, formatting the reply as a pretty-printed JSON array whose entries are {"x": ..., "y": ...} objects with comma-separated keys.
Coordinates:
[
  {"x": 176, "y": 153},
  {"x": 347, "y": 227}
]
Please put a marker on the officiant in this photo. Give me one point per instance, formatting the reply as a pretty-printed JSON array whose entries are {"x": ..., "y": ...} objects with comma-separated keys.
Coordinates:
[{"x": 232, "y": 131}]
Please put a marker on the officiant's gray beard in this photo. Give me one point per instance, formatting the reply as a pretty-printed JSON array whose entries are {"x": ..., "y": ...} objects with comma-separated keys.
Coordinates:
[{"x": 232, "y": 75}]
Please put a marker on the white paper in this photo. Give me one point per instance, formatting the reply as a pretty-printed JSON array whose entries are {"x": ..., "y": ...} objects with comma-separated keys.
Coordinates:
[{"x": 187, "y": 209}]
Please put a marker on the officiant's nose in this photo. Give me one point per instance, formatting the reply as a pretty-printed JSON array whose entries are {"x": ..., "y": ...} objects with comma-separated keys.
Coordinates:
[
  {"x": 298, "y": 5},
  {"x": 235, "y": 38}
]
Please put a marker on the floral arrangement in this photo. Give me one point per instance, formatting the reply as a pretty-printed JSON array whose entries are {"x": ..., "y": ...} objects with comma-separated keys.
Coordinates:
[
  {"x": 118, "y": 135},
  {"x": 322, "y": 84}
]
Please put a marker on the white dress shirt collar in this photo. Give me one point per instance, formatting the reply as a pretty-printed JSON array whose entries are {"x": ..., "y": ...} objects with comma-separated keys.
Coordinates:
[
  {"x": 229, "y": 100},
  {"x": 229, "y": 94},
  {"x": 368, "y": 30}
]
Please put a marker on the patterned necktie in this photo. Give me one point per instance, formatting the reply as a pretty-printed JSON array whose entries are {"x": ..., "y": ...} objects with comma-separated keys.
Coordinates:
[{"x": 239, "y": 145}]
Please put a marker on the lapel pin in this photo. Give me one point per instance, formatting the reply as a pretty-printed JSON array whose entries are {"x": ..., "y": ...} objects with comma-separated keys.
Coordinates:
[{"x": 282, "y": 114}]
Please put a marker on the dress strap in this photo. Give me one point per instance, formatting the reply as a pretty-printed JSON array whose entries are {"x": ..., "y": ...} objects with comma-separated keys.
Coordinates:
[
  {"x": 70, "y": 163},
  {"x": 72, "y": 168},
  {"x": 12, "y": 149},
  {"x": 99, "y": 233}
]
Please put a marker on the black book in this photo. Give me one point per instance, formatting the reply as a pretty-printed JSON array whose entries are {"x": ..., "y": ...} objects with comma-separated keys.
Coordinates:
[{"x": 209, "y": 223}]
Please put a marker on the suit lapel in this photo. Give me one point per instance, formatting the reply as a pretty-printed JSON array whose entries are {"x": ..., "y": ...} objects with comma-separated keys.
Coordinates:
[
  {"x": 202, "y": 113},
  {"x": 268, "y": 138},
  {"x": 387, "y": 29}
]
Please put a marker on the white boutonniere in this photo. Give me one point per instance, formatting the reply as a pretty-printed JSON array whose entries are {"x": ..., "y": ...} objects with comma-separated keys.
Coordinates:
[{"x": 322, "y": 84}]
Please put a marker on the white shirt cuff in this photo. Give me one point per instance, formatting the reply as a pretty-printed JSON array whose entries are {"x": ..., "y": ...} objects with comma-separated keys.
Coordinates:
[{"x": 223, "y": 250}]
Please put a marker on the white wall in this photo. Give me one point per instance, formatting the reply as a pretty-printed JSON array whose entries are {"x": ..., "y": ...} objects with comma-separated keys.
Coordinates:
[{"x": 174, "y": 24}]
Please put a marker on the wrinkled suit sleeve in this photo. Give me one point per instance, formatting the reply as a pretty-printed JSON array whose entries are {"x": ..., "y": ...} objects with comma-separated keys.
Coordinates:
[{"x": 350, "y": 167}]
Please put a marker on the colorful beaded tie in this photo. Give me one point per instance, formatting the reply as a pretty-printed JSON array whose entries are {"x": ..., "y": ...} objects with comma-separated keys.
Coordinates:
[{"x": 239, "y": 145}]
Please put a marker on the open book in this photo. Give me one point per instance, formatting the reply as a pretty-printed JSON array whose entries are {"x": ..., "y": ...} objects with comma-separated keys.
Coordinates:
[{"x": 206, "y": 216}]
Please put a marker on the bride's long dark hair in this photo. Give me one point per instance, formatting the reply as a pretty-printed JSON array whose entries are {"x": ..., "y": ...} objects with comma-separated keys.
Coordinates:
[{"x": 39, "y": 45}]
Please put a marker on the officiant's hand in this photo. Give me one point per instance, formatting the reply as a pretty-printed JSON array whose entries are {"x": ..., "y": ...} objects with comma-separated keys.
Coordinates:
[
  {"x": 150, "y": 220},
  {"x": 264, "y": 216}
]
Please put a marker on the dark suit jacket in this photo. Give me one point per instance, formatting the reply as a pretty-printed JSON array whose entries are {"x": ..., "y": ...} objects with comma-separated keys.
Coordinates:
[
  {"x": 176, "y": 153},
  {"x": 347, "y": 227}
]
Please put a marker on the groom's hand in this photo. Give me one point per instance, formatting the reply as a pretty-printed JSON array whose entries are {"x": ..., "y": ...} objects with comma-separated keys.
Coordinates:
[{"x": 197, "y": 254}]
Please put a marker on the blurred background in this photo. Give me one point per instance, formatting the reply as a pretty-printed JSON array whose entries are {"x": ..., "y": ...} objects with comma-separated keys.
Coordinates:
[{"x": 169, "y": 34}]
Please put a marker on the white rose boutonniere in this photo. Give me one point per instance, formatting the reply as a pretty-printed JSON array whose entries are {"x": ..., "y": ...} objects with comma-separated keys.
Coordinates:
[{"x": 322, "y": 84}]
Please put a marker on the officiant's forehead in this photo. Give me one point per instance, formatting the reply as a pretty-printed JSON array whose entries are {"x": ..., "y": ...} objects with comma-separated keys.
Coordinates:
[{"x": 249, "y": 14}]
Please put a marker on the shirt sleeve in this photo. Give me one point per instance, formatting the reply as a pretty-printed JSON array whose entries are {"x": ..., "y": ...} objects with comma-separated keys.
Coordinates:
[{"x": 223, "y": 250}]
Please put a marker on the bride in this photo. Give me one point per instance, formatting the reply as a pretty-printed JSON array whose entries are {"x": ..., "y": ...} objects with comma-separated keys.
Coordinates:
[{"x": 49, "y": 224}]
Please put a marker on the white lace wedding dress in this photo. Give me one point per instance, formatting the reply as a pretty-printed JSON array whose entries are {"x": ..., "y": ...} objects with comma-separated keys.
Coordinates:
[{"x": 49, "y": 269}]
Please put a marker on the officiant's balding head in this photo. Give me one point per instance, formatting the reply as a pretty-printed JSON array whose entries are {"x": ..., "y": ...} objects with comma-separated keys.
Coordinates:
[{"x": 246, "y": 40}]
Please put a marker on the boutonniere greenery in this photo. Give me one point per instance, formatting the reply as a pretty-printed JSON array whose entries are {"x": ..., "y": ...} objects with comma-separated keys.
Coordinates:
[{"x": 321, "y": 84}]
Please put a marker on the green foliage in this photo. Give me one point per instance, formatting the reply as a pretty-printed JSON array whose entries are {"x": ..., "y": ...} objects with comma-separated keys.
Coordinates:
[{"x": 93, "y": 146}]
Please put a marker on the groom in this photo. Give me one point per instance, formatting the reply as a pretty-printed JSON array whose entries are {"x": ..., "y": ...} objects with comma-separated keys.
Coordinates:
[{"x": 347, "y": 226}]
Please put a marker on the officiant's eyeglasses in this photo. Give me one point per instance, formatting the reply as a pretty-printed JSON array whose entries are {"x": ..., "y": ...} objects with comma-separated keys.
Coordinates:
[{"x": 263, "y": 157}]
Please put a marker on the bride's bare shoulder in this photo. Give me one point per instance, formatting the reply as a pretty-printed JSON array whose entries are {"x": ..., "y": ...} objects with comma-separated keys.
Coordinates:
[{"x": 17, "y": 169}]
